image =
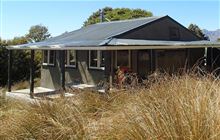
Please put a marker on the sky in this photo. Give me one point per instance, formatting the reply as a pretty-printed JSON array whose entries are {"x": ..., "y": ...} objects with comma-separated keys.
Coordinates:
[{"x": 16, "y": 16}]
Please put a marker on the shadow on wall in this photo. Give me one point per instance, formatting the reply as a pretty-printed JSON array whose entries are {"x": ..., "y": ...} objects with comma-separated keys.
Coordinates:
[{"x": 84, "y": 73}]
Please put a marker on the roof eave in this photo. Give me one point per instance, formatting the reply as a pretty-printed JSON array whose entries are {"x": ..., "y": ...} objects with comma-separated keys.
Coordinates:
[{"x": 118, "y": 47}]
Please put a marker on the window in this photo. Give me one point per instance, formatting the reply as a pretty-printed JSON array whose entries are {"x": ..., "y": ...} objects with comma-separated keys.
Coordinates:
[
  {"x": 102, "y": 61},
  {"x": 51, "y": 57},
  {"x": 45, "y": 56},
  {"x": 174, "y": 33},
  {"x": 93, "y": 55},
  {"x": 96, "y": 59},
  {"x": 123, "y": 58},
  {"x": 70, "y": 60},
  {"x": 48, "y": 57}
]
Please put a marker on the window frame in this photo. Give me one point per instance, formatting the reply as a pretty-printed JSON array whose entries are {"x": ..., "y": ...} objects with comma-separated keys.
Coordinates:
[
  {"x": 67, "y": 55},
  {"x": 129, "y": 58},
  {"x": 48, "y": 58},
  {"x": 99, "y": 59},
  {"x": 43, "y": 56}
]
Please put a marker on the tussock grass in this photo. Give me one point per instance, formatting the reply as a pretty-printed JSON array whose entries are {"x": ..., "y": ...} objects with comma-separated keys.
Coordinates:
[
  {"x": 25, "y": 84},
  {"x": 44, "y": 120},
  {"x": 169, "y": 107},
  {"x": 184, "y": 107}
]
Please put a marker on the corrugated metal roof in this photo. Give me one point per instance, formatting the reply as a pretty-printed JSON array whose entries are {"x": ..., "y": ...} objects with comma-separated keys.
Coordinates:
[
  {"x": 101, "y": 36},
  {"x": 133, "y": 42},
  {"x": 104, "y": 30},
  {"x": 93, "y": 35},
  {"x": 61, "y": 44},
  {"x": 123, "y": 44}
]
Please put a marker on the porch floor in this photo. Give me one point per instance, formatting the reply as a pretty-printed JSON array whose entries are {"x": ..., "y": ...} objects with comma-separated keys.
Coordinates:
[
  {"x": 24, "y": 94},
  {"x": 83, "y": 86},
  {"x": 36, "y": 90}
]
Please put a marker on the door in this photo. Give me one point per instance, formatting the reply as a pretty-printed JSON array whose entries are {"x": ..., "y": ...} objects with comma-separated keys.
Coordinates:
[{"x": 143, "y": 63}]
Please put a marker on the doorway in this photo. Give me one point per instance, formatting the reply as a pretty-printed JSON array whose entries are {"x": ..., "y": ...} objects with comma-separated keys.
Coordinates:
[{"x": 143, "y": 63}]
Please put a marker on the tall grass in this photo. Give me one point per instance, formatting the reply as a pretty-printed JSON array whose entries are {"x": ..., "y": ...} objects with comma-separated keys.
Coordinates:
[
  {"x": 170, "y": 107},
  {"x": 25, "y": 84},
  {"x": 178, "y": 108}
]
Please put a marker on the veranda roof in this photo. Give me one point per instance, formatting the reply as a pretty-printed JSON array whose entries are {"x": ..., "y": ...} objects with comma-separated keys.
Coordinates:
[{"x": 117, "y": 44}]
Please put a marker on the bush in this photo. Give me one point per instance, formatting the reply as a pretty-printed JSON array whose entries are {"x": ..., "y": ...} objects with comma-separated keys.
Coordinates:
[{"x": 177, "y": 107}]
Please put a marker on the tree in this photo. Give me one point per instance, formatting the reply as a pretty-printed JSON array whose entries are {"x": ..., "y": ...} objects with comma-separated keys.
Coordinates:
[
  {"x": 38, "y": 33},
  {"x": 20, "y": 60},
  {"x": 197, "y": 31},
  {"x": 113, "y": 14},
  {"x": 17, "y": 41},
  {"x": 3, "y": 43},
  {"x": 218, "y": 39},
  {"x": 3, "y": 62}
]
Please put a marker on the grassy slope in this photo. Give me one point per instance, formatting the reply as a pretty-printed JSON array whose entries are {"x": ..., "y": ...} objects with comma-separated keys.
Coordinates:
[{"x": 183, "y": 107}]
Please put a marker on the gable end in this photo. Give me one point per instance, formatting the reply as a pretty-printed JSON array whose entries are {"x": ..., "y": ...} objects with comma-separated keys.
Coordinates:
[
  {"x": 184, "y": 28},
  {"x": 164, "y": 28}
]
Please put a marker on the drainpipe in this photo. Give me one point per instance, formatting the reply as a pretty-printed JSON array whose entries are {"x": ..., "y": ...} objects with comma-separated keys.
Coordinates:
[{"x": 101, "y": 16}]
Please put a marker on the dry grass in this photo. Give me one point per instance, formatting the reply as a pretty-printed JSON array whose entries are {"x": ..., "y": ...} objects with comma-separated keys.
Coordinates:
[
  {"x": 177, "y": 107},
  {"x": 184, "y": 107},
  {"x": 25, "y": 84}
]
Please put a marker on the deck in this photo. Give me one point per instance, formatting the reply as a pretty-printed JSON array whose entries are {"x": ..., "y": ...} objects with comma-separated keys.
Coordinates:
[{"x": 24, "y": 94}]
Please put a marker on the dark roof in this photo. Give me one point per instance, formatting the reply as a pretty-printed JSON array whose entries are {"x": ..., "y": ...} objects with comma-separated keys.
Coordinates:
[
  {"x": 124, "y": 44},
  {"x": 102, "y": 34},
  {"x": 104, "y": 30},
  {"x": 96, "y": 34}
]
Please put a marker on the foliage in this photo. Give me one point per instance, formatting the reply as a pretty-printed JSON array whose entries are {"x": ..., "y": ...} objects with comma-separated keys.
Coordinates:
[
  {"x": 17, "y": 41},
  {"x": 197, "y": 31},
  {"x": 21, "y": 58},
  {"x": 218, "y": 40},
  {"x": 114, "y": 14},
  {"x": 20, "y": 61},
  {"x": 3, "y": 61},
  {"x": 177, "y": 107},
  {"x": 37, "y": 33}
]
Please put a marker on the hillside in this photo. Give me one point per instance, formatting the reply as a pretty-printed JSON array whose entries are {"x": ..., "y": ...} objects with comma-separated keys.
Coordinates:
[{"x": 213, "y": 35}]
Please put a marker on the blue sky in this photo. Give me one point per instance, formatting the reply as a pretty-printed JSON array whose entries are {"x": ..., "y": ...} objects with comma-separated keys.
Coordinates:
[{"x": 60, "y": 16}]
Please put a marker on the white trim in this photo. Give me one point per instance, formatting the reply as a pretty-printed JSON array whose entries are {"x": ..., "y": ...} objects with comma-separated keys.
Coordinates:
[
  {"x": 70, "y": 66},
  {"x": 97, "y": 68},
  {"x": 99, "y": 59},
  {"x": 48, "y": 58},
  {"x": 68, "y": 59},
  {"x": 46, "y": 64}
]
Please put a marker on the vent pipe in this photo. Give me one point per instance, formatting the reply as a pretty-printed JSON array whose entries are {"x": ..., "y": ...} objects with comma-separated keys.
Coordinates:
[{"x": 101, "y": 14}]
